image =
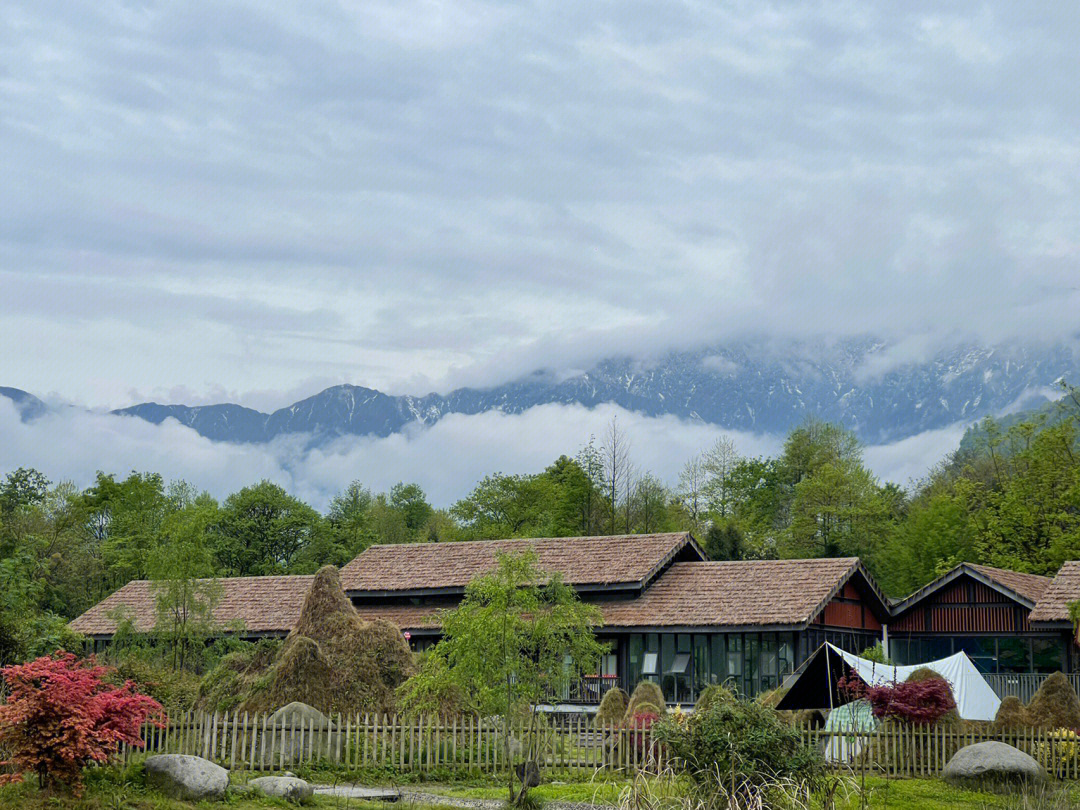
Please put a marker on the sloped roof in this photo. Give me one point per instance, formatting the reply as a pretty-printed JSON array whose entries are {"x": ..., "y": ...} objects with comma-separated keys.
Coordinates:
[
  {"x": 1053, "y": 606},
  {"x": 1029, "y": 586},
  {"x": 608, "y": 560},
  {"x": 1023, "y": 588},
  {"x": 750, "y": 593},
  {"x": 737, "y": 594},
  {"x": 263, "y": 604}
]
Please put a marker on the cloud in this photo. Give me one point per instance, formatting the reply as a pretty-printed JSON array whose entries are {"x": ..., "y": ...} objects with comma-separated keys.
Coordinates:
[
  {"x": 73, "y": 444},
  {"x": 242, "y": 197},
  {"x": 909, "y": 460}
]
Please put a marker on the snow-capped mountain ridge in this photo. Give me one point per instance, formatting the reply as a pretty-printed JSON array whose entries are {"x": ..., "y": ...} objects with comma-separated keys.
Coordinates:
[{"x": 744, "y": 386}]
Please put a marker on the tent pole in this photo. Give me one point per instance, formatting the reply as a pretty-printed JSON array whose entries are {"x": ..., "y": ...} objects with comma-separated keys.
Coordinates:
[{"x": 828, "y": 677}]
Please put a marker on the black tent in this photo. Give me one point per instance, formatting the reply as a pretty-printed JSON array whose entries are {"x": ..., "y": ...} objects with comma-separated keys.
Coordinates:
[{"x": 814, "y": 684}]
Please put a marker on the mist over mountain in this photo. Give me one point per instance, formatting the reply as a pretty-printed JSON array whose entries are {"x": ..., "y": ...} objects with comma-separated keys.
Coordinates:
[{"x": 751, "y": 387}]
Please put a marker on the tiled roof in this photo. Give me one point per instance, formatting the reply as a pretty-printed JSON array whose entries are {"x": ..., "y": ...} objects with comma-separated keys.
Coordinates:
[
  {"x": 1064, "y": 588},
  {"x": 701, "y": 594},
  {"x": 745, "y": 593},
  {"x": 1026, "y": 587},
  {"x": 610, "y": 560},
  {"x": 1029, "y": 586},
  {"x": 263, "y": 604}
]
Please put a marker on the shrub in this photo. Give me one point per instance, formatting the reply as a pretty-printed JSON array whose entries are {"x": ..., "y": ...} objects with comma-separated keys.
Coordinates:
[
  {"x": 61, "y": 715},
  {"x": 877, "y": 654},
  {"x": 737, "y": 742},
  {"x": 1011, "y": 713},
  {"x": 640, "y": 738},
  {"x": 922, "y": 702},
  {"x": 175, "y": 690},
  {"x": 612, "y": 707},
  {"x": 1055, "y": 705},
  {"x": 713, "y": 694},
  {"x": 648, "y": 694}
]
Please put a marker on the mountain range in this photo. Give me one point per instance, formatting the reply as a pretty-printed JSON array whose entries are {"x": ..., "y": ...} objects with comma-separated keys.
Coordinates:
[{"x": 747, "y": 386}]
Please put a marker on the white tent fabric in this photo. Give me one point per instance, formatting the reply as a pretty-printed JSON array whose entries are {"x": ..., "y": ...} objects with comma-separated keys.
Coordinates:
[{"x": 975, "y": 700}]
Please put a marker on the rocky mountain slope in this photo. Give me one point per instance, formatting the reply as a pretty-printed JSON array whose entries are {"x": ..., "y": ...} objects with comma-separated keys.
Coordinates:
[{"x": 746, "y": 386}]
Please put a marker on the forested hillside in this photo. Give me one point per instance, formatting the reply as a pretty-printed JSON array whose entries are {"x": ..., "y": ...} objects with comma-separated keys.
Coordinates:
[{"x": 1010, "y": 498}]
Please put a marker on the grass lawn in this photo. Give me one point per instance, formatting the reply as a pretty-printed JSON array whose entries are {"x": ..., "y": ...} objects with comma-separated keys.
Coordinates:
[
  {"x": 896, "y": 794},
  {"x": 110, "y": 789}
]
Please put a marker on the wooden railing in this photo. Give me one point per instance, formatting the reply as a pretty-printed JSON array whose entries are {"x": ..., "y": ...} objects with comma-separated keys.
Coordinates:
[
  {"x": 242, "y": 741},
  {"x": 1023, "y": 685}
]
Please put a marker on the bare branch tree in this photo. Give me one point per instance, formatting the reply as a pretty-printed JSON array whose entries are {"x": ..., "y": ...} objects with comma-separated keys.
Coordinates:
[
  {"x": 692, "y": 487},
  {"x": 616, "y": 455},
  {"x": 719, "y": 462}
]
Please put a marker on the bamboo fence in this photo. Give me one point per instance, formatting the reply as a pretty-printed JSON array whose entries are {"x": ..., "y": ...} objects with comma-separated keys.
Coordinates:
[{"x": 242, "y": 741}]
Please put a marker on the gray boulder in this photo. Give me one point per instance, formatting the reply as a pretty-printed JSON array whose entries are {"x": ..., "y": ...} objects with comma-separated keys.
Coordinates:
[
  {"x": 284, "y": 787},
  {"x": 994, "y": 762},
  {"x": 301, "y": 728},
  {"x": 186, "y": 778},
  {"x": 303, "y": 714}
]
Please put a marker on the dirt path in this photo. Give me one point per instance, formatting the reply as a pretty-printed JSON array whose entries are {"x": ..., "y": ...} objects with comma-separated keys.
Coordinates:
[{"x": 416, "y": 797}]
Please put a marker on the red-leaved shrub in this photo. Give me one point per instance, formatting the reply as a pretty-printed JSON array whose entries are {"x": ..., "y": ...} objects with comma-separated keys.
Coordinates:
[
  {"x": 640, "y": 738},
  {"x": 60, "y": 716},
  {"x": 922, "y": 703}
]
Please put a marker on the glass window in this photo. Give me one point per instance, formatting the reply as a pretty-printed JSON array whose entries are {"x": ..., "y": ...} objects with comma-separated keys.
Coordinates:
[
  {"x": 701, "y": 663},
  {"x": 635, "y": 651},
  {"x": 770, "y": 666},
  {"x": 1014, "y": 655},
  {"x": 935, "y": 648},
  {"x": 898, "y": 650},
  {"x": 1047, "y": 655},
  {"x": 667, "y": 658},
  {"x": 751, "y": 661},
  {"x": 982, "y": 650},
  {"x": 681, "y": 664},
  {"x": 718, "y": 664},
  {"x": 650, "y": 665},
  {"x": 734, "y": 659},
  {"x": 785, "y": 654}
]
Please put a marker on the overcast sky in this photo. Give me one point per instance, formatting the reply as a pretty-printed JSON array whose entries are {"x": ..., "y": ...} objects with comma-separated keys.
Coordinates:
[{"x": 232, "y": 199}]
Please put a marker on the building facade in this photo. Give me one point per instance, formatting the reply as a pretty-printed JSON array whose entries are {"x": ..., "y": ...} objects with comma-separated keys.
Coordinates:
[{"x": 675, "y": 618}]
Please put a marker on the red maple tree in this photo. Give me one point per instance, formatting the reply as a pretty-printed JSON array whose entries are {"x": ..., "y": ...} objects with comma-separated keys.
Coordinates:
[
  {"x": 922, "y": 703},
  {"x": 61, "y": 715}
]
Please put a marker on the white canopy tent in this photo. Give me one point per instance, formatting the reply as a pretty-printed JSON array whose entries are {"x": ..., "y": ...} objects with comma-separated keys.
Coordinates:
[{"x": 975, "y": 700}]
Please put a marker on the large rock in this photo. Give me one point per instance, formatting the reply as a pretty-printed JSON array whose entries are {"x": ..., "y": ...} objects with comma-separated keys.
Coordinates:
[
  {"x": 285, "y": 787},
  {"x": 186, "y": 778},
  {"x": 295, "y": 723},
  {"x": 303, "y": 715},
  {"x": 994, "y": 762}
]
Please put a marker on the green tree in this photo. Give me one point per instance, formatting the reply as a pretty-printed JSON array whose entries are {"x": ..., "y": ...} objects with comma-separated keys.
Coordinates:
[
  {"x": 185, "y": 592},
  {"x": 411, "y": 502},
  {"x": 125, "y": 518},
  {"x": 504, "y": 506},
  {"x": 264, "y": 530},
  {"x": 519, "y": 637},
  {"x": 350, "y": 519}
]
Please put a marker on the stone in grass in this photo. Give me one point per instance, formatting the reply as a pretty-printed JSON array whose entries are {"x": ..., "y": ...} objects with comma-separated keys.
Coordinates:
[
  {"x": 283, "y": 787},
  {"x": 186, "y": 778},
  {"x": 992, "y": 763}
]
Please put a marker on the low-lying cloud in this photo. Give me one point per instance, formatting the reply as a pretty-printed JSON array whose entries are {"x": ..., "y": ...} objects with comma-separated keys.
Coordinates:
[{"x": 446, "y": 459}]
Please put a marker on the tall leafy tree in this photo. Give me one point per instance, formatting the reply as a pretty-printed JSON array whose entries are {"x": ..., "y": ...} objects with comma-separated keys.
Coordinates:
[
  {"x": 185, "y": 592},
  {"x": 519, "y": 637},
  {"x": 264, "y": 530}
]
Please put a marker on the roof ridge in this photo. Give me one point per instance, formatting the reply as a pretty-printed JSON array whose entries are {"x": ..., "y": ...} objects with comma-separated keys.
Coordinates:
[{"x": 482, "y": 541}]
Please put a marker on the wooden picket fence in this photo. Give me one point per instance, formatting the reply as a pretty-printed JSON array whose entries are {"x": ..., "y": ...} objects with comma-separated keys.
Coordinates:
[
  {"x": 244, "y": 741},
  {"x": 923, "y": 751}
]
